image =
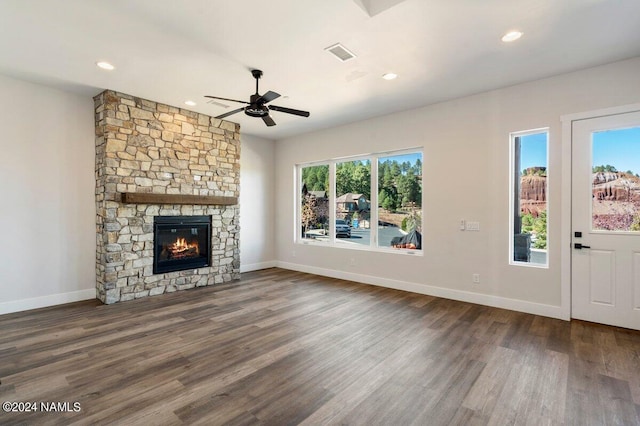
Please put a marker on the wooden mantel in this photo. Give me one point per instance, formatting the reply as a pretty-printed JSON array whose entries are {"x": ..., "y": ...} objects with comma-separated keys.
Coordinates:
[{"x": 149, "y": 198}]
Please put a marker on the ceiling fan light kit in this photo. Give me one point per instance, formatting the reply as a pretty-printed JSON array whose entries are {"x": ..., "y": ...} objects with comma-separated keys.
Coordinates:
[{"x": 256, "y": 107}]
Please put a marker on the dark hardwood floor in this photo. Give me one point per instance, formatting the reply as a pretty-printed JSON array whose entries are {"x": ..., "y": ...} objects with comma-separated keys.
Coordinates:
[{"x": 281, "y": 347}]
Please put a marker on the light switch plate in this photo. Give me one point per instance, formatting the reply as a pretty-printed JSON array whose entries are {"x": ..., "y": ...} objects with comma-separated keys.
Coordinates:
[{"x": 473, "y": 226}]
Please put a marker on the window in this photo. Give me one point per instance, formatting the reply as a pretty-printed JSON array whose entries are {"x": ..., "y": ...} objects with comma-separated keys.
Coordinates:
[
  {"x": 529, "y": 195},
  {"x": 353, "y": 202},
  {"x": 400, "y": 200},
  {"x": 615, "y": 204},
  {"x": 314, "y": 202},
  {"x": 341, "y": 201}
]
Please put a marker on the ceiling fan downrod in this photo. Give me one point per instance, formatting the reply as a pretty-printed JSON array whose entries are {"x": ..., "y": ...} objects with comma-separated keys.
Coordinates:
[{"x": 256, "y": 74}]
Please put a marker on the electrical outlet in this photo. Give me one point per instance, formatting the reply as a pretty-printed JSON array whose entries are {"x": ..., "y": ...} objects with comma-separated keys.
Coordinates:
[
  {"x": 463, "y": 225},
  {"x": 293, "y": 253},
  {"x": 352, "y": 262},
  {"x": 476, "y": 278}
]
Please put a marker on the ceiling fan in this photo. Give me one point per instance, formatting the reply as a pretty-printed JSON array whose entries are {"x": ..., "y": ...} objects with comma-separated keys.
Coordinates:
[{"x": 256, "y": 107}]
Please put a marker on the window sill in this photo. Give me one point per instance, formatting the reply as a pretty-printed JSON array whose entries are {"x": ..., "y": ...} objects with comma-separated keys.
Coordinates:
[{"x": 345, "y": 246}]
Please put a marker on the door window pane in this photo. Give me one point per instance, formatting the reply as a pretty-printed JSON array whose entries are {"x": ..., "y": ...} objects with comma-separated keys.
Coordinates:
[
  {"x": 314, "y": 202},
  {"x": 529, "y": 208},
  {"x": 353, "y": 202},
  {"x": 400, "y": 201},
  {"x": 616, "y": 180}
]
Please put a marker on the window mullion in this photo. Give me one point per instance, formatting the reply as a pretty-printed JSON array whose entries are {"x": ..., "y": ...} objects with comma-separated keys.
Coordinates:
[
  {"x": 373, "y": 221},
  {"x": 332, "y": 202},
  {"x": 297, "y": 237}
]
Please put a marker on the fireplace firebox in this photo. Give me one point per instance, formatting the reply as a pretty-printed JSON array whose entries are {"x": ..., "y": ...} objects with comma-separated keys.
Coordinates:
[{"x": 181, "y": 242}]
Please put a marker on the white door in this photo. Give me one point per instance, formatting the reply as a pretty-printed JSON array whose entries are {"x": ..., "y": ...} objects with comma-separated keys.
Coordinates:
[{"x": 605, "y": 268}]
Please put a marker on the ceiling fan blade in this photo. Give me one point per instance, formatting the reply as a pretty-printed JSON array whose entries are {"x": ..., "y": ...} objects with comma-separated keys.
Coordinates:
[
  {"x": 226, "y": 114},
  {"x": 225, "y": 99},
  {"x": 268, "y": 121},
  {"x": 289, "y": 110},
  {"x": 268, "y": 97}
]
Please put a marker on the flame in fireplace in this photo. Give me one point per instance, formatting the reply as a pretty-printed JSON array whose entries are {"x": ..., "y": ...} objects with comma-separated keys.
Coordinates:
[{"x": 181, "y": 249}]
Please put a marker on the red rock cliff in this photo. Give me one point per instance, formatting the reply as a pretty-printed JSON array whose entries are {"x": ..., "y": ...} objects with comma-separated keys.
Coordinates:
[{"x": 533, "y": 194}]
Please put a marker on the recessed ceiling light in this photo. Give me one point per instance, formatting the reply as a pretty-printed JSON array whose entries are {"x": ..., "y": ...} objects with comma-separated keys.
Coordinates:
[
  {"x": 105, "y": 65},
  {"x": 511, "y": 36},
  {"x": 190, "y": 103},
  {"x": 390, "y": 76}
]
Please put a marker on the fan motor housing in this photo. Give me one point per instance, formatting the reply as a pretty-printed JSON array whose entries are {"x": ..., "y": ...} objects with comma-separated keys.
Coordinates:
[{"x": 256, "y": 110}]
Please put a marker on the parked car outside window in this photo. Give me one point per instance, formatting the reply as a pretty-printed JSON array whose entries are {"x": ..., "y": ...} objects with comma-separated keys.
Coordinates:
[{"x": 342, "y": 228}]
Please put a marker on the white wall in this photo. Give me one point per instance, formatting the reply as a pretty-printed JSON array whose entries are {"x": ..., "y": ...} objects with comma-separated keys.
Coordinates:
[
  {"x": 47, "y": 157},
  {"x": 47, "y": 192},
  {"x": 257, "y": 206},
  {"x": 47, "y": 160},
  {"x": 466, "y": 176}
]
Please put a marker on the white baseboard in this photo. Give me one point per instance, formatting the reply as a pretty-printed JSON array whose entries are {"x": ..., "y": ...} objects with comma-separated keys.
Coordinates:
[
  {"x": 464, "y": 296},
  {"x": 447, "y": 293},
  {"x": 46, "y": 301},
  {"x": 257, "y": 266}
]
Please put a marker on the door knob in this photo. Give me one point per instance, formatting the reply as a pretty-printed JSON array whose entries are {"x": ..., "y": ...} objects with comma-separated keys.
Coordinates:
[{"x": 580, "y": 246}]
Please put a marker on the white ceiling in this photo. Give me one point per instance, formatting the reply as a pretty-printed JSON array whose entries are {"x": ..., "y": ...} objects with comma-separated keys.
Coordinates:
[{"x": 170, "y": 51}]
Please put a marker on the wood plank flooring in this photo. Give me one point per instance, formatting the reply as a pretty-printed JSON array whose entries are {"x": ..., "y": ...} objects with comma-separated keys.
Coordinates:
[{"x": 281, "y": 347}]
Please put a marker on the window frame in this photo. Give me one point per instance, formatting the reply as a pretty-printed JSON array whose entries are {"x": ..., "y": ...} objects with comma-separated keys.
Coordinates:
[
  {"x": 332, "y": 241},
  {"x": 298, "y": 202},
  {"x": 333, "y": 196},
  {"x": 512, "y": 164}
]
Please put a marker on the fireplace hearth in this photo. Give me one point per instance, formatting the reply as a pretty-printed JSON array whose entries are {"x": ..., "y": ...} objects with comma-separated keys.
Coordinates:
[{"x": 181, "y": 242}]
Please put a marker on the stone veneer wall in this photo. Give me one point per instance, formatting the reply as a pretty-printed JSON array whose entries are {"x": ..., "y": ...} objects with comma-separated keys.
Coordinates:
[{"x": 144, "y": 146}]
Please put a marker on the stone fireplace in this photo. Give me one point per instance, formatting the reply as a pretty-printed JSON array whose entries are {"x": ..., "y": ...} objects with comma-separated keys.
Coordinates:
[{"x": 157, "y": 163}]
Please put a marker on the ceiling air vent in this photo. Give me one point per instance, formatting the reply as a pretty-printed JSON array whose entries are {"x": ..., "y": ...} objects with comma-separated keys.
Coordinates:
[
  {"x": 216, "y": 103},
  {"x": 340, "y": 52}
]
